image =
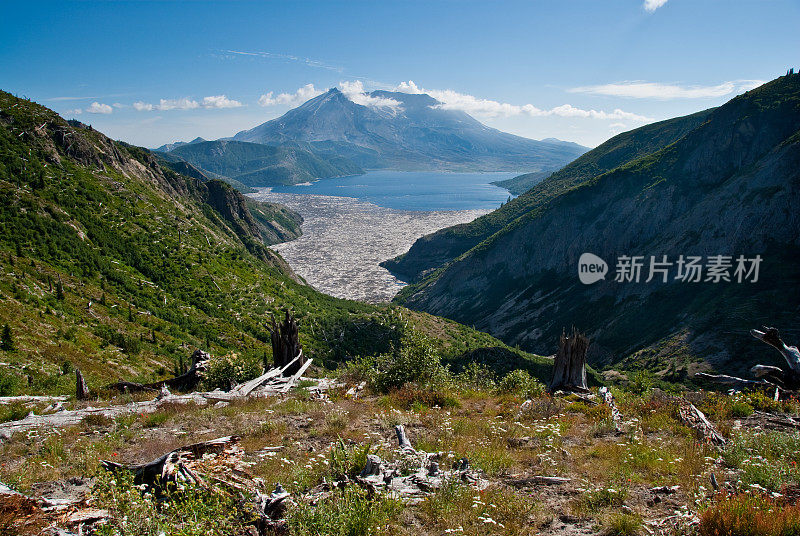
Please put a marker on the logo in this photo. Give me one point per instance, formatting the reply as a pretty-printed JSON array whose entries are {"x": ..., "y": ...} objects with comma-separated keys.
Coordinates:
[{"x": 591, "y": 268}]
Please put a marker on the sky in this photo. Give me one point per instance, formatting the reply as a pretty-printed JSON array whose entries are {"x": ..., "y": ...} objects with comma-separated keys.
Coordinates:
[{"x": 150, "y": 73}]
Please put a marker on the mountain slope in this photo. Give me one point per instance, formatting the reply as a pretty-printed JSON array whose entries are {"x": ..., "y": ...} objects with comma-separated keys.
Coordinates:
[
  {"x": 432, "y": 251},
  {"x": 730, "y": 186},
  {"x": 417, "y": 133},
  {"x": 116, "y": 265},
  {"x": 254, "y": 164}
]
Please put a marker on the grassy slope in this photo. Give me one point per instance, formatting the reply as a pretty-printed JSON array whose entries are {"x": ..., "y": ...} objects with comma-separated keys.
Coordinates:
[
  {"x": 104, "y": 219},
  {"x": 436, "y": 249}
]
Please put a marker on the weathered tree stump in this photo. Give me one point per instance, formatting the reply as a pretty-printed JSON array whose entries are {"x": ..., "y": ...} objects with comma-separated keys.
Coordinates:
[
  {"x": 569, "y": 367},
  {"x": 81, "y": 390},
  {"x": 286, "y": 344}
]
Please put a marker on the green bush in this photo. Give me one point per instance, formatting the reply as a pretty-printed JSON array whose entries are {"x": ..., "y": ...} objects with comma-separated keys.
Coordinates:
[
  {"x": 477, "y": 376},
  {"x": 225, "y": 371},
  {"x": 415, "y": 361},
  {"x": 520, "y": 383},
  {"x": 640, "y": 381}
]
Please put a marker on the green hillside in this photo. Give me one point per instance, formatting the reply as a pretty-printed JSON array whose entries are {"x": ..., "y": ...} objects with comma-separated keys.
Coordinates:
[
  {"x": 434, "y": 250},
  {"x": 114, "y": 264},
  {"x": 255, "y": 164}
]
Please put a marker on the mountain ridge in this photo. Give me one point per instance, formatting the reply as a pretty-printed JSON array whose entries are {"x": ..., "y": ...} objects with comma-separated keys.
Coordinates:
[{"x": 725, "y": 187}]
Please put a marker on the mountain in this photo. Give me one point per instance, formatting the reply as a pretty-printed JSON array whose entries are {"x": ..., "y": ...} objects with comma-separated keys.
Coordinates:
[
  {"x": 432, "y": 251},
  {"x": 255, "y": 164},
  {"x": 415, "y": 132},
  {"x": 117, "y": 265},
  {"x": 170, "y": 146},
  {"x": 724, "y": 182},
  {"x": 522, "y": 183}
]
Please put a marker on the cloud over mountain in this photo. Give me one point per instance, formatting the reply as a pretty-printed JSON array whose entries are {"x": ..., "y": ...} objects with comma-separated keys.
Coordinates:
[
  {"x": 639, "y": 89},
  {"x": 453, "y": 100}
]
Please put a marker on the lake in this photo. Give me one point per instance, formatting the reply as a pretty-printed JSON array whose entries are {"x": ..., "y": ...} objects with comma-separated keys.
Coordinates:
[
  {"x": 413, "y": 190},
  {"x": 354, "y": 223}
]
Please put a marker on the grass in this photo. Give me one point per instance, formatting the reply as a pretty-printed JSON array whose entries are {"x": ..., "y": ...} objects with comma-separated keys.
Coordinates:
[
  {"x": 750, "y": 515},
  {"x": 311, "y": 441}
]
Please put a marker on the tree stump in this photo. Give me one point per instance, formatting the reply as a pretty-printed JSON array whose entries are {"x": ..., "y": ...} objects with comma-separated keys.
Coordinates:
[
  {"x": 569, "y": 367},
  {"x": 286, "y": 344},
  {"x": 81, "y": 390}
]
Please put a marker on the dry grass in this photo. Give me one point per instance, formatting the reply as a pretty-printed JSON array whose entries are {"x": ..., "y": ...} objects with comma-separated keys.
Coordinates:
[{"x": 552, "y": 437}]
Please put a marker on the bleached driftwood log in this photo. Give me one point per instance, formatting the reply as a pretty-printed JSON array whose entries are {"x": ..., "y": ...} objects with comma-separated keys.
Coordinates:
[
  {"x": 64, "y": 418},
  {"x": 569, "y": 367},
  {"x": 31, "y": 399},
  {"x": 694, "y": 418}
]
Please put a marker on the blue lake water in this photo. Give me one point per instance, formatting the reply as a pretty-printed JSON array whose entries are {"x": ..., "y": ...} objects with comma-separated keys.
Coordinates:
[{"x": 414, "y": 190}]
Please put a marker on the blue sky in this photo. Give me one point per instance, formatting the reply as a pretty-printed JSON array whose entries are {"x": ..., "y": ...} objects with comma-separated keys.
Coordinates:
[{"x": 154, "y": 72}]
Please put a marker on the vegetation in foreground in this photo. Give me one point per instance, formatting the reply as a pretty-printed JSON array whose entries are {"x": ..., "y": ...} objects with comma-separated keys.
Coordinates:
[{"x": 653, "y": 478}]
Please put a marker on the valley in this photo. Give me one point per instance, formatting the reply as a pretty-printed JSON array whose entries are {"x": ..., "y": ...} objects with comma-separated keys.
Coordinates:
[{"x": 345, "y": 239}]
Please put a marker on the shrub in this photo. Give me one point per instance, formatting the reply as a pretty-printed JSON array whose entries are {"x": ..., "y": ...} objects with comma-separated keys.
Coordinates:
[
  {"x": 750, "y": 515},
  {"x": 477, "y": 376},
  {"x": 225, "y": 371},
  {"x": 347, "y": 460},
  {"x": 8, "y": 383},
  {"x": 640, "y": 381},
  {"x": 347, "y": 512},
  {"x": 415, "y": 360},
  {"x": 6, "y": 339},
  {"x": 520, "y": 383}
]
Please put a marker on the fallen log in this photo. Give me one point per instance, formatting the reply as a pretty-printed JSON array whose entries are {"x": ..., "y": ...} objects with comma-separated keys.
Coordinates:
[
  {"x": 185, "y": 382},
  {"x": 297, "y": 374},
  {"x": 538, "y": 479},
  {"x": 790, "y": 378},
  {"x": 31, "y": 399},
  {"x": 695, "y": 419}
]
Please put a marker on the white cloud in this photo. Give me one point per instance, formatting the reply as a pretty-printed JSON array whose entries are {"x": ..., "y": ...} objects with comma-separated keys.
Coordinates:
[
  {"x": 76, "y": 111},
  {"x": 220, "y": 101},
  {"x": 453, "y": 100},
  {"x": 185, "y": 103},
  {"x": 639, "y": 89},
  {"x": 99, "y": 108},
  {"x": 355, "y": 92},
  {"x": 300, "y": 96},
  {"x": 652, "y": 5},
  {"x": 177, "y": 104}
]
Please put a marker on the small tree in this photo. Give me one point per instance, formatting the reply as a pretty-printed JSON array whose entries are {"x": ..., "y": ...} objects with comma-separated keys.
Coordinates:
[
  {"x": 60, "y": 291},
  {"x": 7, "y": 343}
]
